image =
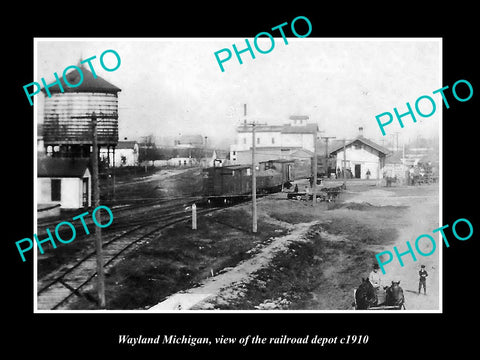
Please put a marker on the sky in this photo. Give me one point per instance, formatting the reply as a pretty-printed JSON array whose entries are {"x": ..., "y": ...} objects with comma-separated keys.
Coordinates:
[{"x": 174, "y": 86}]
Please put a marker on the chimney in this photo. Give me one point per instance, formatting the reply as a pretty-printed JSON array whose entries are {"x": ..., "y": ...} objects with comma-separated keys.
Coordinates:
[{"x": 360, "y": 131}]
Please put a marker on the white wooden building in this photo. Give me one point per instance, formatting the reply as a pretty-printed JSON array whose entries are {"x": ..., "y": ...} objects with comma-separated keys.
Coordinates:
[
  {"x": 364, "y": 158},
  {"x": 126, "y": 154},
  {"x": 64, "y": 181},
  {"x": 274, "y": 141}
]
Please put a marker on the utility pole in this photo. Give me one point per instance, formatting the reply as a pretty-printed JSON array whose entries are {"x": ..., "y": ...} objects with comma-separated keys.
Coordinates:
[
  {"x": 98, "y": 230},
  {"x": 254, "y": 184},
  {"x": 344, "y": 160},
  {"x": 326, "y": 149},
  {"x": 315, "y": 166},
  {"x": 254, "y": 178},
  {"x": 205, "y": 148}
]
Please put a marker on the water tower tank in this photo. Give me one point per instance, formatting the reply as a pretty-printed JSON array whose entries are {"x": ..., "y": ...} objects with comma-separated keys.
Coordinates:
[{"x": 67, "y": 115}]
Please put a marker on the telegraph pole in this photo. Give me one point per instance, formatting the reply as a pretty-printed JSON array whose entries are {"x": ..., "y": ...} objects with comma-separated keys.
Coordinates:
[
  {"x": 344, "y": 160},
  {"x": 326, "y": 149},
  {"x": 98, "y": 230},
  {"x": 315, "y": 166},
  {"x": 254, "y": 178}
]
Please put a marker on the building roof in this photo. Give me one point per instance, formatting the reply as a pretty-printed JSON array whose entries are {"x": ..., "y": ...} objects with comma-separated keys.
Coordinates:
[
  {"x": 278, "y": 161},
  {"x": 89, "y": 83},
  {"x": 300, "y": 152},
  {"x": 62, "y": 167},
  {"x": 362, "y": 139}
]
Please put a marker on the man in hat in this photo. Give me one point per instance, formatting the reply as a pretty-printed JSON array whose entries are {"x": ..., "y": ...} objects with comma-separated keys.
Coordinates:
[
  {"x": 423, "y": 280},
  {"x": 375, "y": 279}
]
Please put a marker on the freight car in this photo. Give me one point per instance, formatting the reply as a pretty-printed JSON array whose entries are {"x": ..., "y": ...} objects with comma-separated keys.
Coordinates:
[{"x": 233, "y": 183}]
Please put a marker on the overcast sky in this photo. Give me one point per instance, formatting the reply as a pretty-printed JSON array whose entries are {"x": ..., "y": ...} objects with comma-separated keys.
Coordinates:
[{"x": 172, "y": 86}]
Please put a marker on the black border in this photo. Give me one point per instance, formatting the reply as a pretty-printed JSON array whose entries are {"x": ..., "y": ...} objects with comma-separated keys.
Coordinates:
[{"x": 411, "y": 334}]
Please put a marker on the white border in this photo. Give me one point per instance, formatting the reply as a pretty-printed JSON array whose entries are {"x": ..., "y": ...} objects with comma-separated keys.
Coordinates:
[{"x": 180, "y": 312}]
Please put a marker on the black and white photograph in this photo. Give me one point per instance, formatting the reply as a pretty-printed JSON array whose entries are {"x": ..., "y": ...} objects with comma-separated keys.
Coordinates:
[
  {"x": 294, "y": 181},
  {"x": 180, "y": 146}
]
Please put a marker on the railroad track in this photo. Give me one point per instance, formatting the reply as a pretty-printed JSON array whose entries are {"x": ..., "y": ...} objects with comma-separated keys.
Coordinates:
[
  {"x": 57, "y": 288},
  {"x": 123, "y": 210}
]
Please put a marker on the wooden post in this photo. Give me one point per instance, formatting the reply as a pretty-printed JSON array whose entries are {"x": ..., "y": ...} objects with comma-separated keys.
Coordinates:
[
  {"x": 254, "y": 184},
  {"x": 98, "y": 230},
  {"x": 315, "y": 168},
  {"x": 194, "y": 217},
  {"x": 113, "y": 175}
]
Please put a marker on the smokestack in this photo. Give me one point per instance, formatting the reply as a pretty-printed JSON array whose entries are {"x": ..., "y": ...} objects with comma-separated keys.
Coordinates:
[{"x": 360, "y": 131}]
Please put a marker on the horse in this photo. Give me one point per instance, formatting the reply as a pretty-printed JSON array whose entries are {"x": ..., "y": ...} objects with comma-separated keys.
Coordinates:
[
  {"x": 394, "y": 295},
  {"x": 365, "y": 295}
]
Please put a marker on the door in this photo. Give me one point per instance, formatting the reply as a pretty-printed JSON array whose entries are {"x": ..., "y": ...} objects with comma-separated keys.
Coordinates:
[
  {"x": 357, "y": 171},
  {"x": 56, "y": 189},
  {"x": 289, "y": 172}
]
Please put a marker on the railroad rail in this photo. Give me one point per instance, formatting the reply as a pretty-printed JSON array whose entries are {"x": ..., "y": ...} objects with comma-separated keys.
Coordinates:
[{"x": 55, "y": 289}]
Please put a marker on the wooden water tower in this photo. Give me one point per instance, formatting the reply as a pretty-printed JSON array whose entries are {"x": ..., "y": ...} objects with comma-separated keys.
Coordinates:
[{"x": 67, "y": 127}]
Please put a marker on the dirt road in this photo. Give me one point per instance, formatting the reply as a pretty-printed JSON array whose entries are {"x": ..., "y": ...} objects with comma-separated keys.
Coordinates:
[
  {"x": 421, "y": 218},
  {"x": 329, "y": 248}
]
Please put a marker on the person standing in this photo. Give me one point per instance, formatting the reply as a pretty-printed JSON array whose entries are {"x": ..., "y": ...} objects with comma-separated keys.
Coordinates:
[
  {"x": 376, "y": 280},
  {"x": 374, "y": 277},
  {"x": 423, "y": 280}
]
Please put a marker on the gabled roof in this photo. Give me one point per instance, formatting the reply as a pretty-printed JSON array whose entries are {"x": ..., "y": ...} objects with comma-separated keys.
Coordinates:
[
  {"x": 89, "y": 83},
  {"x": 302, "y": 151},
  {"x": 62, "y": 167},
  {"x": 362, "y": 139}
]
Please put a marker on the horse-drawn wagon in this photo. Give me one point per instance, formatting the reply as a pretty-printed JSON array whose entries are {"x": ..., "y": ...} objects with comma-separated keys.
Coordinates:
[{"x": 366, "y": 297}]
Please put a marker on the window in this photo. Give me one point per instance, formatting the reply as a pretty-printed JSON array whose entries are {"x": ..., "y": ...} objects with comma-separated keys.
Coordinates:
[
  {"x": 244, "y": 140},
  {"x": 258, "y": 140},
  {"x": 273, "y": 140},
  {"x": 56, "y": 189}
]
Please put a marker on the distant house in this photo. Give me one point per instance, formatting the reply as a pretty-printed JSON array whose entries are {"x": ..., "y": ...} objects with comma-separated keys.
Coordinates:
[
  {"x": 214, "y": 158},
  {"x": 126, "y": 154},
  {"x": 182, "y": 162},
  {"x": 64, "y": 181},
  {"x": 363, "y": 158}
]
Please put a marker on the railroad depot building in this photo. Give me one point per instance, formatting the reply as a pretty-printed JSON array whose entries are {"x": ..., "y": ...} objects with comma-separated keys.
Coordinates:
[
  {"x": 362, "y": 157},
  {"x": 64, "y": 181}
]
